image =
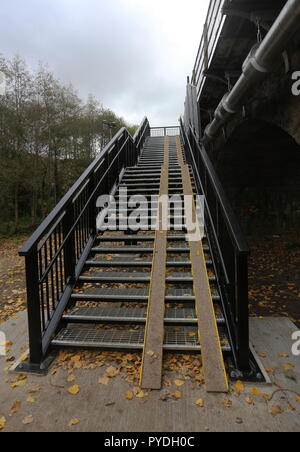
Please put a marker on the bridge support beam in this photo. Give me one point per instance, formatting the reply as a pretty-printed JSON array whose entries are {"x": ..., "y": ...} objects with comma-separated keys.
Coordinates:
[{"x": 262, "y": 60}]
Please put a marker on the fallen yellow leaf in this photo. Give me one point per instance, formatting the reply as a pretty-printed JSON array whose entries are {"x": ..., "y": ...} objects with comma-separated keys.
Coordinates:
[
  {"x": 255, "y": 392},
  {"x": 24, "y": 358},
  {"x": 34, "y": 389},
  {"x": 19, "y": 384},
  {"x": 249, "y": 400},
  {"x": 74, "y": 390},
  {"x": 140, "y": 395},
  {"x": 239, "y": 387},
  {"x": 298, "y": 399},
  {"x": 30, "y": 400},
  {"x": 179, "y": 383},
  {"x": 227, "y": 403},
  {"x": 15, "y": 406},
  {"x": 2, "y": 422},
  {"x": 6, "y": 344},
  {"x": 288, "y": 366},
  {"x": 129, "y": 395},
  {"x": 63, "y": 356},
  {"x": 200, "y": 403},
  {"x": 177, "y": 395},
  {"x": 75, "y": 359},
  {"x": 74, "y": 421}
]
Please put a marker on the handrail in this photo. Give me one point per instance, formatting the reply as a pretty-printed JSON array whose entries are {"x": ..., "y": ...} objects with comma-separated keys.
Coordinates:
[
  {"x": 231, "y": 220},
  {"x": 228, "y": 246},
  {"x": 164, "y": 131},
  {"x": 63, "y": 203},
  {"x": 55, "y": 254},
  {"x": 208, "y": 42}
]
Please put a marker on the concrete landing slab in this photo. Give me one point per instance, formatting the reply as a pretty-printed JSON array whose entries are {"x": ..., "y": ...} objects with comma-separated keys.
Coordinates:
[{"x": 103, "y": 408}]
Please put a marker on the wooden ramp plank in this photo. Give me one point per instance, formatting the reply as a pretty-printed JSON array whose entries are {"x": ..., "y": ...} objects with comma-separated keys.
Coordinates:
[
  {"x": 151, "y": 375},
  {"x": 214, "y": 368}
]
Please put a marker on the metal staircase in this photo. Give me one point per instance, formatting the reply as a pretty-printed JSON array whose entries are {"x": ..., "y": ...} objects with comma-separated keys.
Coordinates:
[
  {"x": 89, "y": 288},
  {"x": 126, "y": 306}
]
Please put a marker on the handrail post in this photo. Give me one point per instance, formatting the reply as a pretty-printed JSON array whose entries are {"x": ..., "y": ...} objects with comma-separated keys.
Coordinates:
[
  {"x": 33, "y": 307},
  {"x": 242, "y": 309},
  {"x": 69, "y": 251}
]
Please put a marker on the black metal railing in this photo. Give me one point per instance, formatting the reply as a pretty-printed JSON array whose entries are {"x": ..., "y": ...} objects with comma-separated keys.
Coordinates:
[
  {"x": 229, "y": 249},
  {"x": 212, "y": 29},
  {"x": 56, "y": 253},
  {"x": 165, "y": 131}
]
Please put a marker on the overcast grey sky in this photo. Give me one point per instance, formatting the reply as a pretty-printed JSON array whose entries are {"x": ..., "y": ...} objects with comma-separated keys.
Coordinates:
[{"x": 133, "y": 55}]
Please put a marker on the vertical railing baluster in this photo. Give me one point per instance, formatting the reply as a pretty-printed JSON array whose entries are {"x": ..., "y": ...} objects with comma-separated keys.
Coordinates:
[
  {"x": 69, "y": 249},
  {"x": 56, "y": 268},
  {"x": 41, "y": 292},
  {"x": 51, "y": 273},
  {"x": 47, "y": 281}
]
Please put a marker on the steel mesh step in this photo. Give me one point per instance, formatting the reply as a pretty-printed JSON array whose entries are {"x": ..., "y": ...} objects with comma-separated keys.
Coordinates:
[
  {"x": 183, "y": 339},
  {"x": 140, "y": 249},
  {"x": 133, "y": 315},
  {"x": 134, "y": 277},
  {"x": 138, "y": 238},
  {"x": 140, "y": 262},
  {"x": 133, "y": 294}
]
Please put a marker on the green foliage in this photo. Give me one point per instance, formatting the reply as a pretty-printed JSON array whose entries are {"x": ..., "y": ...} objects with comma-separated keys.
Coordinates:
[{"x": 48, "y": 136}]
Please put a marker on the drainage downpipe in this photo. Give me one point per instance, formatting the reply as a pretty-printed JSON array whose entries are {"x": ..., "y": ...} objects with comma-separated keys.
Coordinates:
[{"x": 262, "y": 60}]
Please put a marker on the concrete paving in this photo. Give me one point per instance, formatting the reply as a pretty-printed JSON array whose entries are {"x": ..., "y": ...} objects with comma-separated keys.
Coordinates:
[{"x": 106, "y": 409}]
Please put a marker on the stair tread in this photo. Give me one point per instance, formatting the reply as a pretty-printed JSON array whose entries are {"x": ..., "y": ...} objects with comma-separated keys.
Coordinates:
[
  {"x": 139, "y": 238},
  {"x": 139, "y": 249},
  {"x": 140, "y": 262},
  {"x": 133, "y": 314},
  {"x": 127, "y": 259},
  {"x": 138, "y": 294},
  {"x": 127, "y": 339},
  {"x": 136, "y": 277}
]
